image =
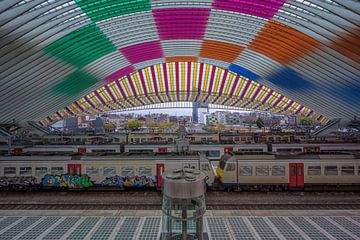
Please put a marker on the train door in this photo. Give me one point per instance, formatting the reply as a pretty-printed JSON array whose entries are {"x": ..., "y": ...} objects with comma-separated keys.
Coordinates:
[
  {"x": 228, "y": 149},
  {"x": 159, "y": 173},
  {"x": 74, "y": 169},
  {"x": 162, "y": 150},
  {"x": 296, "y": 174},
  {"x": 81, "y": 150},
  {"x": 300, "y": 174}
]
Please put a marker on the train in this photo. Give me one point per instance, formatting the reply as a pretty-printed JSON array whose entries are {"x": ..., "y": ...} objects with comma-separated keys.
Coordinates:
[
  {"x": 144, "y": 137},
  {"x": 212, "y": 151},
  {"x": 94, "y": 172},
  {"x": 281, "y": 172},
  {"x": 235, "y": 172}
]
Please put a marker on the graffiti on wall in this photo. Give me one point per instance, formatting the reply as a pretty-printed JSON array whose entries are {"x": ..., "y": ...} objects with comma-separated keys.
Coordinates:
[
  {"x": 129, "y": 181},
  {"x": 16, "y": 183},
  {"x": 66, "y": 181}
]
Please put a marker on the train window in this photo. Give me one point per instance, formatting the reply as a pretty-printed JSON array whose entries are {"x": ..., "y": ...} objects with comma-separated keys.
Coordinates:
[
  {"x": 127, "y": 171},
  {"x": 245, "y": 170},
  {"x": 25, "y": 171},
  {"x": 300, "y": 171},
  {"x": 109, "y": 171},
  {"x": 331, "y": 171},
  {"x": 278, "y": 170},
  {"x": 57, "y": 170},
  {"x": 145, "y": 171},
  {"x": 40, "y": 171},
  {"x": 9, "y": 170},
  {"x": 103, "y": 150},
  {"x": 205, "y": 167},
  {"x": 262, "y": 170},
  {"x": 347, "y": 170},
  {"x": 314, "y": 170},
  {"x": 92, "y": 170},
  {"x": 212, "y": 153},
  {"x": 292, "y": 170},
  {"x": 230, "y": 167}
]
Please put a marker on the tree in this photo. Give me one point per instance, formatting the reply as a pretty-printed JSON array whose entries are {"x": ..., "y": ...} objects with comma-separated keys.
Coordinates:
[
  {"x": 220, "y": 127},
  {"x": 214, "y": 129},
  {"x": 260, "y": 123},
  {"x": 210, "y": 130},
  {"x": 109, "y": 127},
  {"x": 306, "y": 122},
  {"x": 133, "y": 125}
]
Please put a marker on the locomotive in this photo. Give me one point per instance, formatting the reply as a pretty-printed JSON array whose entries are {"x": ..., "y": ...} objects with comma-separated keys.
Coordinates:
[{"x": 235, "y": 172}]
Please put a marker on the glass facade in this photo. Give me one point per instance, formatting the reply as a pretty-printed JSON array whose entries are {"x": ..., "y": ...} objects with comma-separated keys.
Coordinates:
[
  {"x": 183, "y": 205},
  {"x": 183, "y": 218}
]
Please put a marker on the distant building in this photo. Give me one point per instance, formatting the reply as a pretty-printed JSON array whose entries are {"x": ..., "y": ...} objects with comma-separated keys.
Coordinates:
[
  {"x": 202, "y": 116},
  {"x": 157, "y": 117},
  {"x": 71, "y": 124},
  {"x": 232, "y": 119},
  {"x": 173, "y": 119},
  {"x": 197, "y": 113},
  {"x": 98, "y": 125},
  {"x": 216, "y": 118},
  {"x": 221, "y": 117},
  {"x": 212, "y": 119}
]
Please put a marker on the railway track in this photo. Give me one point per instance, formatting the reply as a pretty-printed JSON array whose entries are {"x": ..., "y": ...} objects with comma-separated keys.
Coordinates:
[{"x": 225, "y": 206}]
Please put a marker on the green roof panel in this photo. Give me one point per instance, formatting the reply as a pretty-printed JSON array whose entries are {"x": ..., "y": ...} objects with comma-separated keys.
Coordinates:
[
  {"x": 100, "y": 10},
  {"x": 74, "y": 83},
  {"x": 82, "y": 46}
]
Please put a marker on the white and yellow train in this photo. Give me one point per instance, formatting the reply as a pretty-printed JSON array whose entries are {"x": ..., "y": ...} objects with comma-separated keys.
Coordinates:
[{"x": 276, "y": 172}]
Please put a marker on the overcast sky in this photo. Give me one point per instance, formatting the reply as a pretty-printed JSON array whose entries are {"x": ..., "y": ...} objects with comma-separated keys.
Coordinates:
[
  {"x": 170, "y": 111},
  {"x": 177, "y": 111}
]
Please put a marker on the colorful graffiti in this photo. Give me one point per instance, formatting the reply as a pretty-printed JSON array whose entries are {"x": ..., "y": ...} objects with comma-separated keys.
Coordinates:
[
  {"x": 66, "y": 181},
  {"x": 17, "y": 183},
  {"x": 129, "y": 181}
]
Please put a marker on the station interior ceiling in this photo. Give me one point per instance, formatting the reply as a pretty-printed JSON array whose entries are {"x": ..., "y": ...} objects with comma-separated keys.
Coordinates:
[{"x": 65, "y": 58}]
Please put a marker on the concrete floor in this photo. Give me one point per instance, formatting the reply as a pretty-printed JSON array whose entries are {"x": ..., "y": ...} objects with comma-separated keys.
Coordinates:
[
  {"x": 145, "y": 213},
  {"x": 35, "y": 224}
]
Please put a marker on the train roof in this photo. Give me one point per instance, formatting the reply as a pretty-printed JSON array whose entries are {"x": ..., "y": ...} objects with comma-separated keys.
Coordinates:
[
  {"x": 140, "y": 157},
  {"x": 35, "y": 158},
  {"x": 123, "y": 156},
  {"x": 302, "y": 157},
  {"x": 315, "y": 144}
]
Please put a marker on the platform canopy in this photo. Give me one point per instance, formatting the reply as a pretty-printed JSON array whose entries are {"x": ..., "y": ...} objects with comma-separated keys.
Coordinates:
[{"x": 63, "y": 58}]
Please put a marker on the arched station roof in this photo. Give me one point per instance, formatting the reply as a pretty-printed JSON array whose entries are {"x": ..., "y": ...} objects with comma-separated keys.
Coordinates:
[{"x": 63, "y": 58}]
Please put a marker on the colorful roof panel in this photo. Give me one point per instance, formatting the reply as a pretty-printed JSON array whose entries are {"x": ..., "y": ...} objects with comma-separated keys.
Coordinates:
[
  {"x": 180, "y": 82},
  {"x": 88, "y": 56}
]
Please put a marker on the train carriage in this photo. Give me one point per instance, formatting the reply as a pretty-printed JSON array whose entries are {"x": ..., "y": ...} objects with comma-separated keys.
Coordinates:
[
  {"x": 78, "y": 172},
  {"x": 138, "y": 170},
  {"x": 330, "y": 172},
  {"x": 290, "y": 172}
]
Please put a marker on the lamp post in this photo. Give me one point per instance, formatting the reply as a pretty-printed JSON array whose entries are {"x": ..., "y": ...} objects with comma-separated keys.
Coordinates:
[{"x": 9, "y": 144}]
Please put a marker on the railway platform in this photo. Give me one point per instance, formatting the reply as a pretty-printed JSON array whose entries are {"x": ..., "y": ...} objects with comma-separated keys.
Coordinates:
[{"x": 145, "y": 224}]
